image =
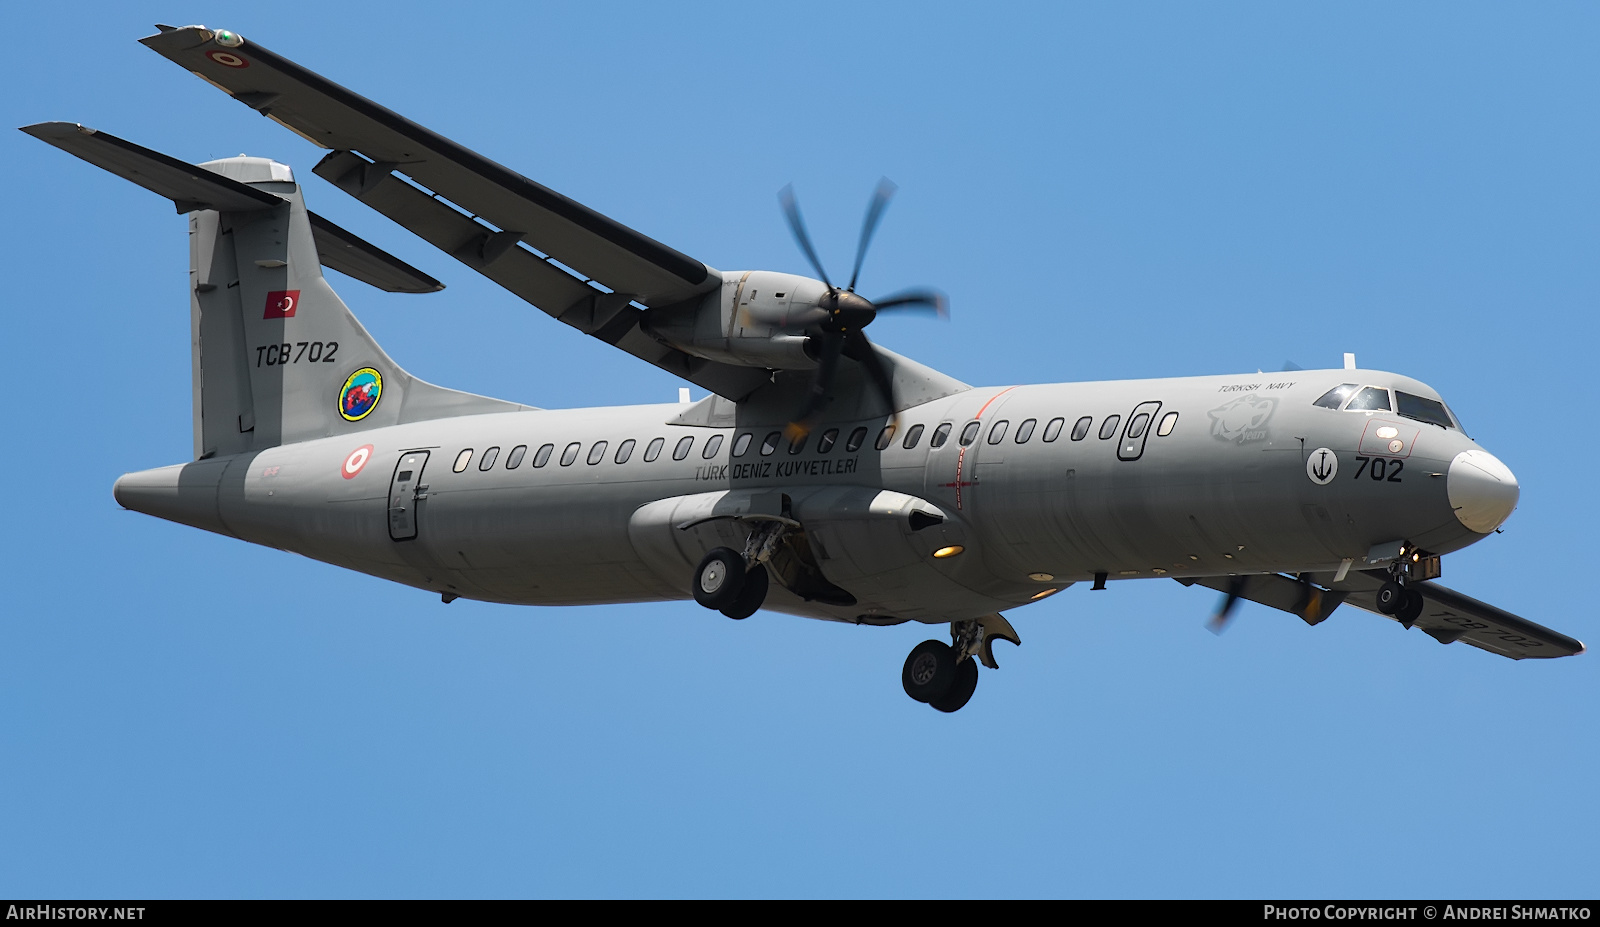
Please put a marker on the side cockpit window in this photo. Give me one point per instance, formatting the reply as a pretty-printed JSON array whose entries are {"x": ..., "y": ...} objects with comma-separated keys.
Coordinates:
[
  {"x": 1370, "y": 399},
  {"x": 1334, "y": 398},
  {"x": 1422, "y": 409}
]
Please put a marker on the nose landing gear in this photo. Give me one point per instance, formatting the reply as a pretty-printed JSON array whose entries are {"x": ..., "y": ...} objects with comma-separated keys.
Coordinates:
[
  {"x": 1400, "y": 601},
  {"x": 946, "y": 675}
]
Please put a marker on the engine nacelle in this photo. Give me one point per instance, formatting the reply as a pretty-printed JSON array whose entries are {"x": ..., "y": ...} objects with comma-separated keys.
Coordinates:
[{"x": 720, "y": 327}]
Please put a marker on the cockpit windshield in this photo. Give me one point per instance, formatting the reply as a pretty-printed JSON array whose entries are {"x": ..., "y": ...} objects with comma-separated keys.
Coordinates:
[
  {"x": 1371, "y": 399},
  {"x": 1334, "y": 398},
  {"x": 1422, "y": 409},
  {"x": 1353, "y": 397}
]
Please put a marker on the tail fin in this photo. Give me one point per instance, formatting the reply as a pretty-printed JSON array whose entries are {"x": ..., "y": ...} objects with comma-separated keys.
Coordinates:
[{"x": 278, "y": 357}]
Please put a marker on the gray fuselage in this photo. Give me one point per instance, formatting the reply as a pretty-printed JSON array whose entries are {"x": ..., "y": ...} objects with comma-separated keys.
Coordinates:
[{"x": 1229, "y": 489}]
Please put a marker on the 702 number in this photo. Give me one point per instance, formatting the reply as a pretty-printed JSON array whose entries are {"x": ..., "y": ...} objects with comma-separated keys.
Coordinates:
[{"x": 1383, "y": 469}]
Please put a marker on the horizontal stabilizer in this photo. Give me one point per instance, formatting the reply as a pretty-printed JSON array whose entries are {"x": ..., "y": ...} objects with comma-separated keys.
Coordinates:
[
  {"x": 354, "y": 256},
  {"x": 193, "y": 186},
  {"x": 189, "y": 186}
]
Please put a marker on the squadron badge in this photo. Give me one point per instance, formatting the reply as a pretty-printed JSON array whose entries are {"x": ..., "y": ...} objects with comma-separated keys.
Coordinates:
[{"x": 360, "y": 394}]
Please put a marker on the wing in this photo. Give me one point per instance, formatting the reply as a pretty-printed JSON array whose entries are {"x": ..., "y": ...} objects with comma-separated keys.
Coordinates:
[
  {"x": 571, "y": 262},
  {"x": 1447, "y": 617}
]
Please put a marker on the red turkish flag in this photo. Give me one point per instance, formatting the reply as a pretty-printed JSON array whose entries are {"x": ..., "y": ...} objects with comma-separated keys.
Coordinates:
[{"x": 281, "y": 304}]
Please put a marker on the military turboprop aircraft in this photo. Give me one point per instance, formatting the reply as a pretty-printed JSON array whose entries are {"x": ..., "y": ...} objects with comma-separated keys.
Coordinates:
[{"x": 824, "y": 476}]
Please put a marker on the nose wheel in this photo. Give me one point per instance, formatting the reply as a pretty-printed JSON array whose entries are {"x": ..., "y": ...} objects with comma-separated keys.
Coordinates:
[{"x": 1400, "y": 601}]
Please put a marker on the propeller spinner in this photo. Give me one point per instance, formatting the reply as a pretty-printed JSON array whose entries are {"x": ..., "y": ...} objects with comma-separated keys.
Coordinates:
[{"x": 835, "y": 322}]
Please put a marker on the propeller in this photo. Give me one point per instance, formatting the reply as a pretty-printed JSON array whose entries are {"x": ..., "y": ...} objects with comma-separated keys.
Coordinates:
[
  {"x": 1230, "y": 601},
  {"x": 835, "y": 323}
]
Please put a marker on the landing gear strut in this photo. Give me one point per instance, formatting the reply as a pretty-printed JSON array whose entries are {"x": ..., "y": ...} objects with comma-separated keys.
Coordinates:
[{"x": 945, "y": 675}]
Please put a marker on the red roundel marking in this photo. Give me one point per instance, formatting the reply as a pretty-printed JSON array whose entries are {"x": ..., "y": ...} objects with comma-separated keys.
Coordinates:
[
  {"x": 358, "y": 458},
  {"x": 227, "y": 59}
]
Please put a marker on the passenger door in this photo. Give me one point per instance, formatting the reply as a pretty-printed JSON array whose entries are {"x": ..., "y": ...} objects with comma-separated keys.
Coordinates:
[
  {"x": 1140, "y": 423},
  {"x": 406, "y": 491}
]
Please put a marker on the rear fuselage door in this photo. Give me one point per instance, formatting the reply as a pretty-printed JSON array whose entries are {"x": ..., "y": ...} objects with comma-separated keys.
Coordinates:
[
  {"x": 405, "y": 491},
  {"x": 1140, "y": 423}
]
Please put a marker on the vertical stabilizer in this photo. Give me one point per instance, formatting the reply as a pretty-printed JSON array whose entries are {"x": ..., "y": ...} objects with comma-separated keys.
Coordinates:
[{"x": 278, "y": 357}]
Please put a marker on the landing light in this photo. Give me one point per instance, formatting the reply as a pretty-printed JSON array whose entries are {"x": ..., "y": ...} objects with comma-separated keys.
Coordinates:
[
  {"x": 1047, "y": 592},
  {"x": 950, "y": 551}
]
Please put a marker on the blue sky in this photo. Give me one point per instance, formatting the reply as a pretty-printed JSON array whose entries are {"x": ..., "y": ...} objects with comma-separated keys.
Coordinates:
[{"x": 1105, "y": 191}]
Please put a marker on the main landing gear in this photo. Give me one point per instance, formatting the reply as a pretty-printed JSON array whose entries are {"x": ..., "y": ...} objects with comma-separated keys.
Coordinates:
[
  {"x": 945, "y": 675},
  {"x": 724, "y": 582}
]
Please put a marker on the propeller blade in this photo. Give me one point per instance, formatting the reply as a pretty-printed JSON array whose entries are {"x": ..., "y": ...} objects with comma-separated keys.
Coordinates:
[
  {"x": 880, "y": 202},
  {"x": 930, "y": 300},
  {"x": 797, "y": 225},
  {"x": 859, "y": 349},
  {"x": 821, "y": 385},
  {"x": 796, "y": 317},
  {"x": 1230, "y": 601}
]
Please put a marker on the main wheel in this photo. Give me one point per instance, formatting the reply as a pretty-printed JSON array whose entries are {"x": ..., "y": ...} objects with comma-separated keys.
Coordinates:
[
  {"x": 961, "y": 691},
  {"x": 718, "y": 578},
  {"x": 930, "y": 671},
  {"x": 1411, "y": 608},
  {"x": 1391, "y": 597},
  {"x": 751, "y": 595}
]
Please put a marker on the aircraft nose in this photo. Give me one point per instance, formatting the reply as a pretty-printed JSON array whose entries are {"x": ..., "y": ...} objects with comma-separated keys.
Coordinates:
[{"x": 1482, "y": 490}]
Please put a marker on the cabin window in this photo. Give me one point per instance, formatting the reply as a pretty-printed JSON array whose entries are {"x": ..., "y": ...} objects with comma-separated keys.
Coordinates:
[
  {"x": 625, "y": 450},
  {"x": 543, "y": 457},
  {"x": 742, "y": 444},
  {"x": 712, "y": 446},
  {"x": 940, "y": 435},
  {"x": 913, "y": 435},
  {"x": 770, "y": 443},
  {"x": 597, "y": 453},
  {"x": 653, "y": 449},
  {"x": 570, "y": 454},
  {"x": 1025, "y": 430},
  {"x": 1371, "y": 399},
  {"x": 1137, "y": 425},
  {"x": 514, "y": 460},
  {"x": 462, "y": 459},
  {"x": 997, "y": 431},
  {"x": 798, "y": 443},
  {"x": 825, "y": 443},
  {"x": 682, "y": 449},
  {"x": 884, "y": 437},
  {"x": 969, "y": 433},
  {"x": 1334, "y": 398},
  {"x": 1168, "y": 422},
  {"x": 1080, "y": 428},
  {"x": 1052, "y": 431},
  {"x": 1423, "y": 410},
  {"x": 488, "y": 458},
  {"x": 1108, "y": 428},
  {"x": 853, "y": 443}
]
